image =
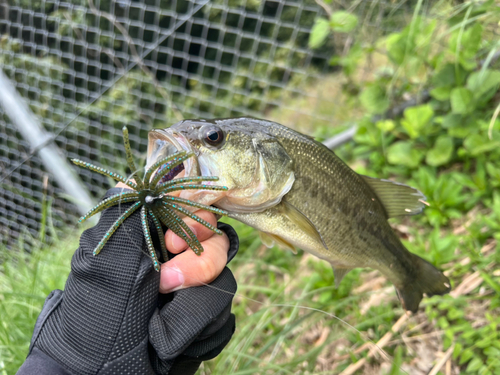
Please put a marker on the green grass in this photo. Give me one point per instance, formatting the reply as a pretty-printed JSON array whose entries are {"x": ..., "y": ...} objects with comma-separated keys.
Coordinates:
[
  {"x": 290, "y": 318},
  {"x": 25, "y": 282},
  {"x": 287, "y": 306},
  {"x": 282, "y": 301}
]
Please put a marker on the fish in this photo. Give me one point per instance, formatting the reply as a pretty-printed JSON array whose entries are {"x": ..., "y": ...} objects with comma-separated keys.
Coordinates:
[{"x": 299, "y": 194}]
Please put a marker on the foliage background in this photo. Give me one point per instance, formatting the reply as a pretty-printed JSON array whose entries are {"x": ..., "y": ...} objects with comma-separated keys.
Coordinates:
[{"x": 419, "y": 79}]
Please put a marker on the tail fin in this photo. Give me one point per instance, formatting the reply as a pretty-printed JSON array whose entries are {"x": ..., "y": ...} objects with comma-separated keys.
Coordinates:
[{"x": 429, "y": 280}]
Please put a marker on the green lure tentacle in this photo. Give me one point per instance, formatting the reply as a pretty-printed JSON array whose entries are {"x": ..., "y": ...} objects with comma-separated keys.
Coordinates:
[
  {"x": 183, "y": 180},
  {"x": 115, "y": 226},
  {"x": 192, "y": 240},
  {"x": 104, "y": 172},
  {"x": 178, "y": 158},
  {"x": 161, "y": 234},
  {"x": 166, "y": 219},
  {"x": 171, "y": 221},
  {"x": 130, "y": 159},
  {"x": 123, "y": 197},
  {"x": 174, "y": 160},
  {"x": 193, "y": 187},
  {"x": 193, "y": 216},
  {"x": 201, "y": 206},
  {"x": 147, "y": 237},
  {"x": 180, "y": 228}
]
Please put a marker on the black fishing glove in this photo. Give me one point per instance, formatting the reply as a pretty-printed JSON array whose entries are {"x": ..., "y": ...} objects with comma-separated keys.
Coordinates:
[{"x": 111, "y": 319}]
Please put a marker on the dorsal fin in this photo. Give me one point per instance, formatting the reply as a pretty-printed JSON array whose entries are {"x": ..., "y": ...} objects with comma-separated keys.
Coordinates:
[{"x": 397, "y": 199}]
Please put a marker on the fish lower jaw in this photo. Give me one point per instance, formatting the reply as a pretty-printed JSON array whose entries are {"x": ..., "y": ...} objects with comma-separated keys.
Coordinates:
[{"x": 206, "y": 197}]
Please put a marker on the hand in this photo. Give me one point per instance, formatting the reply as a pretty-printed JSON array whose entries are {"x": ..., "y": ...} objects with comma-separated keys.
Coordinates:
[
  {"x": 187, "y": 269},
  {"x": 109, "y": 317}
]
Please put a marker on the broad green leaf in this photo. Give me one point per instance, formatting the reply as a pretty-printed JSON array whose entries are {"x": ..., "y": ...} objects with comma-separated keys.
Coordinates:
[
  {"x": 374, "y": 99},
  {"x": 444, "y": 76},
  {"x": 403, "y": 153},
  {"x": 493, "y": 171},
  {"x": 452, "y": 120},
  {"x": 423, "y": 37},
  {"x": 401, "y": 45},
  {"x": 467, "y": 64},
  {"x": 459, "y": 132},
  {"x": 475, "y": 8},
  {"x": 471, "y": 40},
  {"x": 486, "y": 342},
  {"x": 434, "y": 216},
  {"x": 416, "y": 118},
  {"x": 461, "y": 100},
  {"x": 472, "y": 142},
  {"x": 319, "y": 32},
  {"x": 492, "y": 352},
  {"x": 386, "y": 125},
  {"x": 351, "y": 60},
  {"x": 458, "y": 126},
  {"x": 455, "y": 124},
  {"x": 396, "y": 47},
  {"x": 457, "y": 350},
  {"x": 441, "y": 153},
  {"x": 474, "y": 365},
  {"x": 478, "y": 144},
  {"x": 454, "y": 314},
  {"x": 449, "y": 75},
  {"x": 443, "y": 322},
  {"x": 343, "y": 22},
  {"x": 466, "y": 43},
  {"x": 441, "y": 93},
  {"x": 484, "y": 83},
  {"x": 466, "y": 355}
]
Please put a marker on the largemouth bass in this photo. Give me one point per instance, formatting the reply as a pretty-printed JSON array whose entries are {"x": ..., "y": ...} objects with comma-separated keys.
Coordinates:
[{"x": 301, "y": 195}]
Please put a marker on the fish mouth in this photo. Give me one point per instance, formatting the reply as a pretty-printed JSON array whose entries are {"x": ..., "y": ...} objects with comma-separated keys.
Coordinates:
[{"x": 163, "y": 143}]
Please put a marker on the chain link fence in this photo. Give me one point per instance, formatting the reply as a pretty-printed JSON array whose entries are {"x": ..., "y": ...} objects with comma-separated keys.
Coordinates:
[{"x": 86, "y": 68}]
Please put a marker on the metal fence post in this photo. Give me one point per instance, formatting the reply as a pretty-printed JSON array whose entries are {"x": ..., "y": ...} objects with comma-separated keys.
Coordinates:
[{"x": 23, "y": 118}]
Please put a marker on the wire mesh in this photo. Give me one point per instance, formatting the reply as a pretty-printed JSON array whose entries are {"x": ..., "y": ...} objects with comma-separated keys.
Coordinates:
[{"x": 147, "y": 64}]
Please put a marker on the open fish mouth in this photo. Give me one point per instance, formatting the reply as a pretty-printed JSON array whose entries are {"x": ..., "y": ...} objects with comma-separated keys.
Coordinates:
[
  {"x": 163, "y": 143},
  {"x": 170, "y": 175},
  {"x": 196, "y": 169}
]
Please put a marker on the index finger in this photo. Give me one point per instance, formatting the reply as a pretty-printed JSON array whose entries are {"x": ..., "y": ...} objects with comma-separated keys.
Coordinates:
[{"x": 175, "y": 244}]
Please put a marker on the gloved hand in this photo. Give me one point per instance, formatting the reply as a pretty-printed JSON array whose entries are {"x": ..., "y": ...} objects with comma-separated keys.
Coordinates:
[{"x": 111, "y": 319}]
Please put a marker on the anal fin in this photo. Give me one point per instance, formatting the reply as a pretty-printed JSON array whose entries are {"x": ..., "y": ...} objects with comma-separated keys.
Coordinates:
[{"x": 339, "y": 273}]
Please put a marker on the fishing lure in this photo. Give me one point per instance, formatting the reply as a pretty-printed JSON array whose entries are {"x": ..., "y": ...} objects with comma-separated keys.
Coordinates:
[{"x": 151, "y": 196}]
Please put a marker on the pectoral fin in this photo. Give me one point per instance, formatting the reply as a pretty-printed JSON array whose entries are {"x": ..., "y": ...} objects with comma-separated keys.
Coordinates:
[
  {"x": 338, "y": 274},
  {"x": 270, "y": 240},
  {"x": 285, "y": 225},
  {"x": 302, "y": 222}
]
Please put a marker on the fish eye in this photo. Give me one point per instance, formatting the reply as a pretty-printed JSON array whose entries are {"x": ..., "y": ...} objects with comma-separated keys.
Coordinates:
[{"x": 212, "y": 136}]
